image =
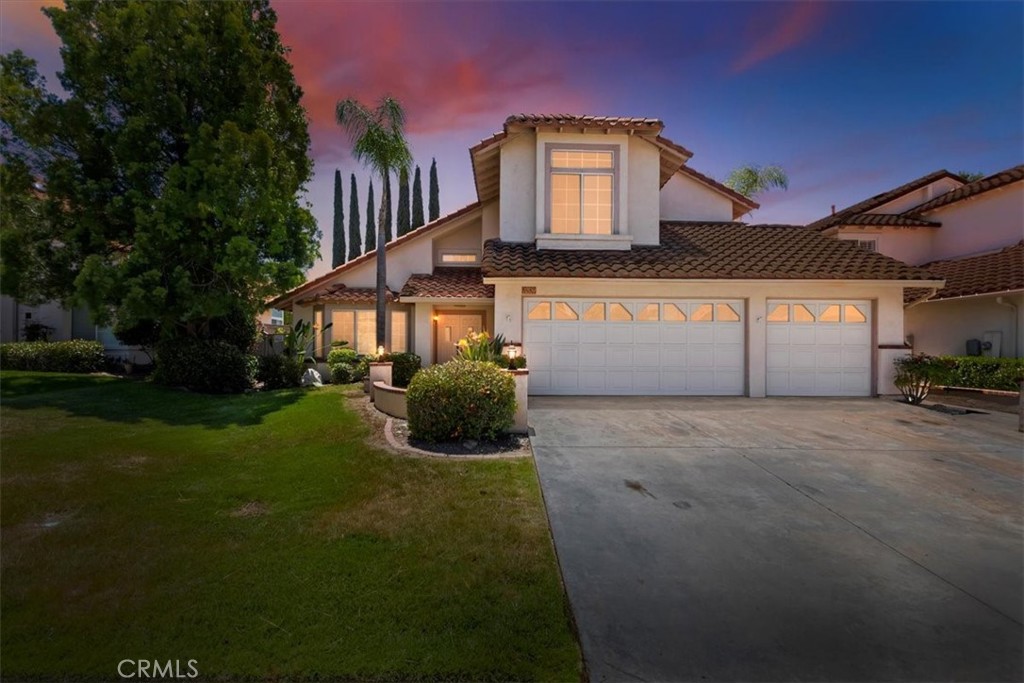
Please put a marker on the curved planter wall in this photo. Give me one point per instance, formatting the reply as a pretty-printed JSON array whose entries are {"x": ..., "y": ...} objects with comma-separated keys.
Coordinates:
[{"x": 390, "y": 400}]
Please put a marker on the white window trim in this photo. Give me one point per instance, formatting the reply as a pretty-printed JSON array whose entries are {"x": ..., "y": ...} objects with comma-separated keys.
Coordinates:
[{"x": 616, "y": 151}]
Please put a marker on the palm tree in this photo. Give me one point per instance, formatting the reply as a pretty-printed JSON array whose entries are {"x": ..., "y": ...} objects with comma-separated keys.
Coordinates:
[
  {"x": 752, "y": 179},
  {"x": 378, "y": 140}
]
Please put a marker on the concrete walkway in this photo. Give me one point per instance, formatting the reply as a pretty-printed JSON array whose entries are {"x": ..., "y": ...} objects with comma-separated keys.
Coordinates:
[{"x": 786, "y": 539}]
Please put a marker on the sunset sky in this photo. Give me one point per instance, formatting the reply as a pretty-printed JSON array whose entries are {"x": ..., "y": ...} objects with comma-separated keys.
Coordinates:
[{"x": 850, "y": 98}]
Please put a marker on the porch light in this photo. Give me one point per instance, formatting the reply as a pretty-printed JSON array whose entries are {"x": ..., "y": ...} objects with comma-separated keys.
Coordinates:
[
  {"x": 380, "y": 350},
  {"x": 513, "y": 351},
  {"x": 437, "y": 318}
]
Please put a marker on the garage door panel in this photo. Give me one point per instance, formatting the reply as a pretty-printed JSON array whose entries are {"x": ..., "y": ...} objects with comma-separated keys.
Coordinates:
[
  {"x": 830, "y": 356},
  {"x": 593, "y": 354}
]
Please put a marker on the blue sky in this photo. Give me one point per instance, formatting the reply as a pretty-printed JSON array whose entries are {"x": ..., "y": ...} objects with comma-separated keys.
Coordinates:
[{"x": 850, "y": 98}]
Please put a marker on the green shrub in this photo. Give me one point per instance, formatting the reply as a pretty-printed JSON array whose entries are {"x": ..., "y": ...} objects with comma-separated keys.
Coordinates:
[
  {"x": 916, "y": 374},
  {"x": 480, "y": 346},
  {"x": 342, "y": 363},
  {"x": 461, "y": 399},
  {"x": 279, "y": 372},
  {"x": 205, "y": 365},
  {"x": 77, "y": 355},
  {"x": 403, "y": 367},
  {"x": 981, "y": 372},
  {"x": 362, "y": 369}
]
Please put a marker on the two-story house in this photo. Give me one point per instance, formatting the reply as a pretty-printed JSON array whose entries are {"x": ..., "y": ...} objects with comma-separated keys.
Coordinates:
[
  {"x": 971, "y": 234},
  {"x": 621, "y": 270}
]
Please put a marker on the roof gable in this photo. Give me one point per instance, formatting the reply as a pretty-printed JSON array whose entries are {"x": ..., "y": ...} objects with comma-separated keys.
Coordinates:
[{"x": 974, "y": 189}]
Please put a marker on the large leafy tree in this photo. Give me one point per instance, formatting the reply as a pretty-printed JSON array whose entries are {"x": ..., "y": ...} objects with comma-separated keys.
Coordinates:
[
  {"x": 173, "y": 168},
  {"x": 752, "y": 179},
  {"x": 338, "y": 245},
  {"x": 434, "y": 207},
  {"x": 354, "y": 247},
  {"x": 378, "y": 140},
  {"x": 402, "y": 217},
  {"x": 417, "y": 200}
]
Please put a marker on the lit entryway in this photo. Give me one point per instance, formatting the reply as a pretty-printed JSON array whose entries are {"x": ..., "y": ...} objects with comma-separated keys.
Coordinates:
[
  {"x": 639, "y": 347},
  {"x": 819, "y": 348}
]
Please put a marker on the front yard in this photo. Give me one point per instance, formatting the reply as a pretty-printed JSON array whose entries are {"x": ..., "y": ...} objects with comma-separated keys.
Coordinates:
[{"x": 262, "y": 537}]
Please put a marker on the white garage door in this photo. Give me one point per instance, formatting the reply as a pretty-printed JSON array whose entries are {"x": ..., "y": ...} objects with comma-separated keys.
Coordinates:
[
  {"x": 819, "y": 348},
  {"x": 627, "y": 346}
]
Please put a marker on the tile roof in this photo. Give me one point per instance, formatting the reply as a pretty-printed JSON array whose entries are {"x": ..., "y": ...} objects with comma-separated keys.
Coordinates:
[
  {"x": 724, "y": 189},
  {"x": 1001, "y": 271},
  {"x": 905, "y": 220},
  {"x": 340, "y": 294},
  {"x": 705, "y": 250},
  {"x": 448, "y": 283},
  {"x": 310, "y": 285},
  {"x": 841, "y": 217},
  {"x": 585, "y": 121},
  {"x": 973, "y": 189}
]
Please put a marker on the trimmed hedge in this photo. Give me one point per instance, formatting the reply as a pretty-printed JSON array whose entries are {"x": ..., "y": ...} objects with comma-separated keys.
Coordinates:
[
  {"x": 403, "y": 367},
  {"x": 77, "y": 355},
  {"x": 279, "y": 372},
  {"x": 343, "y": 364},
  {"x": 981, "y": 372},
  {"x": 461, "y": 399},
  {"x": 204, "y": 365}
]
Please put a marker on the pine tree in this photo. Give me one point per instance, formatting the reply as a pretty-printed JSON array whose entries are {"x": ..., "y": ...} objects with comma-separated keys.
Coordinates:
[
  {"x": 338, "y": 245},
  {"x": 370, "y": 243},
  {"x": 385, "y": 198},
  {"x": 354, "y": 242},
  {"x": 435, "y": 194},
  {"x": 402, "y": 216},
  {"x": 417, "y": 200}
]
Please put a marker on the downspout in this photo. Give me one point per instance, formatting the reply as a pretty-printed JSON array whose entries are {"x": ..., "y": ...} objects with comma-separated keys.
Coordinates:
[{"x": 1016, "y": 324}]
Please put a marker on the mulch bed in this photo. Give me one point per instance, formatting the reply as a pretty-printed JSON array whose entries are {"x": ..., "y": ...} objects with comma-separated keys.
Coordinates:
[{"x": 507, "y": 445}]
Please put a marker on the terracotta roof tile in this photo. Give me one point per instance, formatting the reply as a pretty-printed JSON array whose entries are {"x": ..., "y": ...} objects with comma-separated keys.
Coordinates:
[
  {"x": 992, "y": 182},
  {"x": 694, "y": 250},
  {"x": 584, "y": 121},
  {"x": 841, "y": 217},
  {"x": 311, "y": 285},
  {"x": 1001, "y": 271},
  {"x": 340, "y": 294},
  {"x": 449, "y": 283},
  {"x": 894, "y": 219}
]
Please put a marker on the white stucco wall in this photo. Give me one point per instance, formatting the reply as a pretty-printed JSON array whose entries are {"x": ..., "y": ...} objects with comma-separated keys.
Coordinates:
[
  {"x": 887, "y": 298},
  {"x": 910, "y": 245},
  {"x": 642, "y": 192},
  {"x": 684, "y": 199},
  {"x": 917, "y": 197},
  {"x": 987, "y": 222},
  {"x": 517, "y": 201},
  {"x": 943, "y": 327},
  {"x": 489, "y": 227},
  {"x": 464, "y": 239}
]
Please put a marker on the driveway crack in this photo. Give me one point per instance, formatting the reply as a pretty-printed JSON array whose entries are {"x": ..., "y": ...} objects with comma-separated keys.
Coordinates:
[{"x": 876, "y": 538}]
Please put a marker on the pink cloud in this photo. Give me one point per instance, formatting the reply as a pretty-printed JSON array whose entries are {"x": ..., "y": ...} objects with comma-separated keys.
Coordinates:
[{"x": 799, "y": 22}]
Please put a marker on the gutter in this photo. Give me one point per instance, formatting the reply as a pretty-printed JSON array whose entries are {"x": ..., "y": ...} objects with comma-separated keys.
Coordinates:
[{"x": 926, "y": 297}]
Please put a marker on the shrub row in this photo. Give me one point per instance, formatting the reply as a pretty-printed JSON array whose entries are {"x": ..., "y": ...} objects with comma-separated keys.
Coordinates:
[
  {"x": 980, "y": 372},
  {"x": 461, "y": 399},
  {"x": 205, "y": 365},
  {"x": 344, "y": 365},
  {"x": 77, "y": 355},
  {"x": 403, "y": 367}
]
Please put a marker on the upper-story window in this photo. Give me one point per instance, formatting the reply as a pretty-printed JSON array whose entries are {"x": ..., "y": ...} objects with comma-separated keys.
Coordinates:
[
  {"x": 276, "y": 316},
  {"x": 582, "y": 191},
  {"x": 457, "y": 257}
]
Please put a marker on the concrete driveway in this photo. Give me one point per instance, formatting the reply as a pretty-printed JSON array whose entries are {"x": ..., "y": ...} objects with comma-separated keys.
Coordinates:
[{"x": 786, "y": 539}]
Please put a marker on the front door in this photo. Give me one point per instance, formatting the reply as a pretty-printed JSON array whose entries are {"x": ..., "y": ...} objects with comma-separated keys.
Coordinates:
[{"x": 451, "y": 327}]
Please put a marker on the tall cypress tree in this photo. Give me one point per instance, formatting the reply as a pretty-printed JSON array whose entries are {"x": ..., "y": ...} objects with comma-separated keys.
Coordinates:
[
  {"x": 417, "y": 200},
  {"x": 354, "y": 241},
  {"x": 403, "y": 217},
  {"x": 435, "y": 193},
  {"x": 338, "y": 245},
  {"x": 385, "y": 198},
  {"x": 370, "y": 243}
]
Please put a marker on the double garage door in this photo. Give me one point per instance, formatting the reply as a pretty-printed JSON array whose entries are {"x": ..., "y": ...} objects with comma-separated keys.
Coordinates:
[{"x": 692, "y": 347}]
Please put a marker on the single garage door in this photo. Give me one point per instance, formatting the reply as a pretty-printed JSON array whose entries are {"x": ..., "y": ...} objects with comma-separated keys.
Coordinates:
[
  {"x": 640, "y": 347},
  {"x": 819, "y": 348}
]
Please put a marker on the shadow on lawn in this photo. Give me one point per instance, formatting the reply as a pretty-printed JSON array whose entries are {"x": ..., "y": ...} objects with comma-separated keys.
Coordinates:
[{"x": 118, "y": 399}]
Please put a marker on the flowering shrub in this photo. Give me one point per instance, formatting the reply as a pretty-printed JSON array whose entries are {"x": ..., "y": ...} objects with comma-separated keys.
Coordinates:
[
  {"x": 461, "y": 399},
  {"x": 916, "y": 374}
]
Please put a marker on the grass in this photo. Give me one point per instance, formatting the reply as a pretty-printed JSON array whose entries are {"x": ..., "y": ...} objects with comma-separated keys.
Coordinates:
[{"x": 262, "y": 537}]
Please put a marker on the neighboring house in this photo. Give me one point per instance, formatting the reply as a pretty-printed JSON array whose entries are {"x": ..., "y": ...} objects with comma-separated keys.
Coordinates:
[
  {"x": 970, "y": 235},
  {"x": 621, "y": 271},
  {"x": 64, "y": 324}
]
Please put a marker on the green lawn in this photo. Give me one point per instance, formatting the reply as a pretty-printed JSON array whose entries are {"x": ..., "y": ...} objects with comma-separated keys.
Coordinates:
[{"x": 262, "y": 537}]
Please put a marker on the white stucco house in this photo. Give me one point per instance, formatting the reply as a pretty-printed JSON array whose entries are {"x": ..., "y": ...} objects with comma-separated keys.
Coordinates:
[
  {"x": 621, "y": 270},
  {"x": 971, "y": 234}
]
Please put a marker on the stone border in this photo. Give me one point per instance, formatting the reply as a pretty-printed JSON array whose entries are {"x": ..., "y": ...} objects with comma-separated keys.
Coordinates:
[{"x": 395, "y": 444}]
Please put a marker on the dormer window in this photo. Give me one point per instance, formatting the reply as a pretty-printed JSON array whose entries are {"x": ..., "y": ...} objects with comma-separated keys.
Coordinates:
[{"x": 581, "y": 189}]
